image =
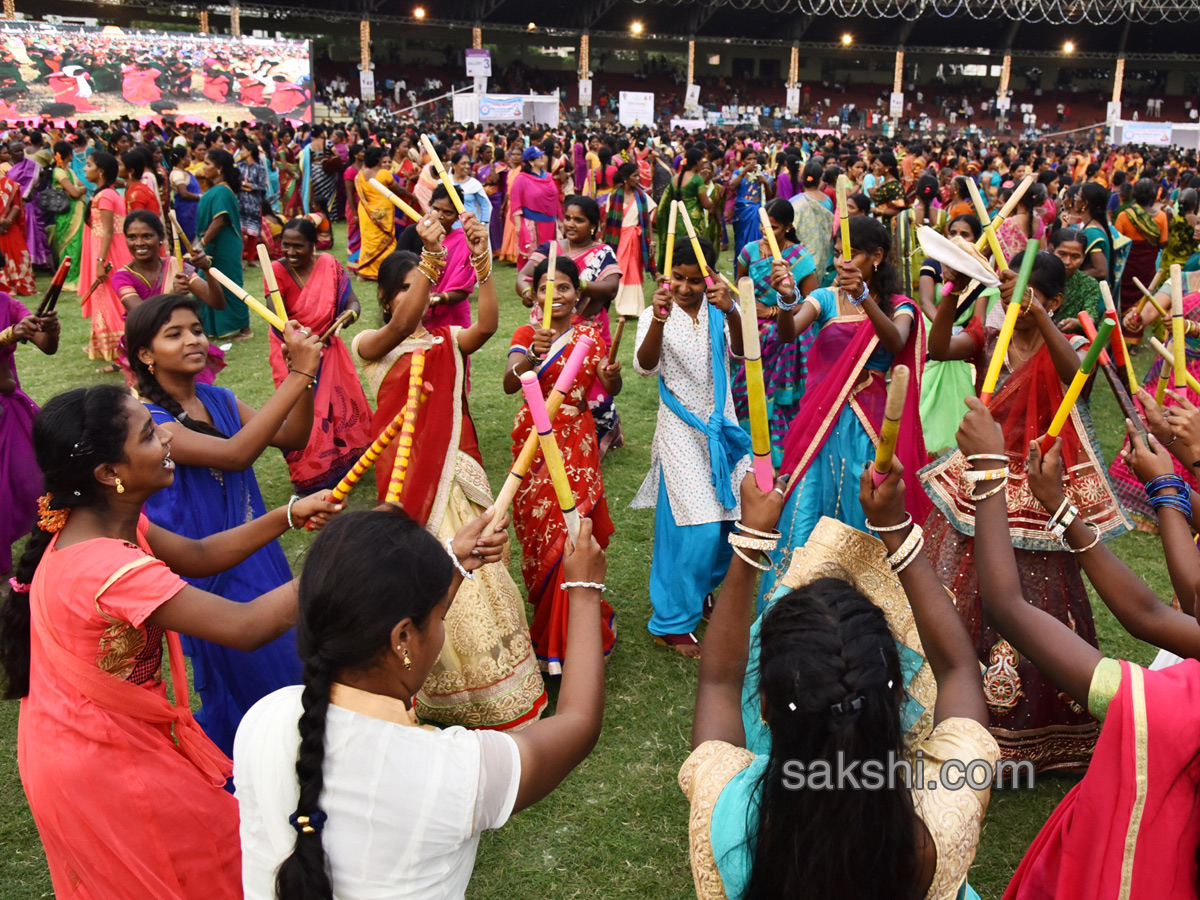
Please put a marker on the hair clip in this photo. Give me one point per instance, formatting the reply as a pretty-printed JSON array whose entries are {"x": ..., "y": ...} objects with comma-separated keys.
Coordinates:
[
  {"x": 313, "y": 823},
  {"x": 850, "y": 706}
]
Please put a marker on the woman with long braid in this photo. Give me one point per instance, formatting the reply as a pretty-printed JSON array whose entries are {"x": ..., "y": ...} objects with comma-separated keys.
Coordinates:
[{"x": 216, "y": 438}]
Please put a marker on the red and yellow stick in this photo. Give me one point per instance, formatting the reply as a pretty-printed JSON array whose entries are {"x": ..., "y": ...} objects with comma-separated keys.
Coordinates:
[
  {"x": 756, "y": 394},
  {"x": 368, "y": 458},
  {"x": 890, "y": 430},
  {"x": 1076, "y": 387},
  {"x": 408, "y": 429},
  {"x": 1006, "y": 331},
  {"x": 553, "y": 456},
  {"x": 1120, "y": 349}
]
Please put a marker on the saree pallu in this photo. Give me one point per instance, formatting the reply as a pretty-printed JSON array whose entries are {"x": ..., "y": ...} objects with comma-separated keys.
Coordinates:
[
  {"x": 487, "y": 675},
  {"x": 627, "y": 232},
  {"x": 290, "y": 183},
  {"x": 1129, "y": 828},
  {"x": 782, "y": 363},
  {"x": 376, "y": 224},
  {"x": 538, "y": 520},
  {"x": 25, "y": 175},
  {"x": 1030, "y": 718},
  {"x": 814, "y": 227},
  {"x": 226, "y": 253},
  {"x": 536, "y": 201},
  {"x": 66, "y": 235},
  {"x": 459, "y": 275},
  {"x": 20, "y": 477},
  {"x": 341, "y": 428},
  {"x": 1127, "y": 487},
  {"x": 185, "y": 210},
  {"x": 17, "y": 274},
  {"x": 200, "y": 502},
  {"x": 104, "y": 308},
  {"x": 353, "y": 234},
  {"x": 746, "y": 224}
]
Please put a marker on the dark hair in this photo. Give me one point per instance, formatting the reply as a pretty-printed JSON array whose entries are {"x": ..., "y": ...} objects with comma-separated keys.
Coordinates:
[
  {"x": 392, "y": 272},
  {"x": 784, "y": 213},
  {"x": 440, "y": 193},
  {"x": 176, "y": 155},
  {"x": 563, "y": 264},
  {"x": 1066, "y": 235},
  {"x": 888, "y": 160},
  {"x": 1049, "y": 274},
  {"x": 223, "y": 160},
  {"x": 605, "y": 156},
  {"x": 107, "y": 164},
  {"x": 813, "y": 172},
  {"x": 972, "y": 222},
  {"x": 1095, "y": 197},
  {"x": 146, "y": 218},
  {"x": 74, "y": 432},
  {"x": 307, "y": 229},
  {"x": 392, "y": 569},
  {"x": 586, "y": 205},
  {"x": 861, "y": 202},
  {"x": 134, "y": 162},
  {"x": 868, "y": 234},
  {"x": 372, "y": 155},
  {"x": 1145, "y": 192},
  {"x": 831, "y": 686},
  {"x": 63, "y": 149},
  {"x": 141, "y": 327},
  {"x": 624, "y": 171},
  {"x": 456, "y": 156},
  {"x": 1189, "y": 200},
  {"x": 686, "y": 256},
  {"x": 927, "y": 192}
]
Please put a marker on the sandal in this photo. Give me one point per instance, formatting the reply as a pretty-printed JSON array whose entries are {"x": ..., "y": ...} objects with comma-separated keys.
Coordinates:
[
  {"x": 706, "y": 610},
  {"x": 678, "y": 641},
  {"x": 108, "y": 369}
]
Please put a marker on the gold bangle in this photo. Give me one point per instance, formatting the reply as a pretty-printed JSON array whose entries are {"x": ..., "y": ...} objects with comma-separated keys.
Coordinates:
[
  {"x": 1095, "y": 540},
  {"x": 8, "y": 337},
  {"x": 903, "y": 564},
  {"x": 762, "y": 567},
  {"x": 990, "y": 492},
  {"x": 765, "y": 545},
  {"x": 974, "y": 476},
  {"x": 775, "y": 535},
  {"x": 915, "y": 537}
]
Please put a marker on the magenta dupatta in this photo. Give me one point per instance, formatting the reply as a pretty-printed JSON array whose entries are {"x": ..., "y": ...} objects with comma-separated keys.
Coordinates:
[
  {"x": 459, "y": 275},
  {"x": 835, "y": 367}
]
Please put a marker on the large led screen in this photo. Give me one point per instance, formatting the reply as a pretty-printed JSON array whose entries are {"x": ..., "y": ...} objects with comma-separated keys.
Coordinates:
[{"x": 77, "y": 72}]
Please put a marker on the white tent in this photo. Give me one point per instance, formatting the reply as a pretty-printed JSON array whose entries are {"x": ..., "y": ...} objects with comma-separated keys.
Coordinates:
[{"x": 530, "y": 109}]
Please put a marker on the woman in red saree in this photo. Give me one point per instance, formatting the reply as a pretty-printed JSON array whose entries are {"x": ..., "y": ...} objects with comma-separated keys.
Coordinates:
[
  {"x": 216, "y": 84},
  {"x": 1030, "y": 717},
  {"x": 286, "y": 97},
  {"x": 17, "y": 275},
  {"x": 539, "y": 522},
  {"x": 138, "y": 85},
  {"x": 534, "y": 205},
  {"x": 1129, "y": 828},
  {"x": 109, "y": 764},
  {"x": 316, "y": 290},
  {"x": 71, "y": 86},
  {"x": 288, "y": 163},
  {"x": 487, "y": 675},
  {"x": 103, "y": 243}
]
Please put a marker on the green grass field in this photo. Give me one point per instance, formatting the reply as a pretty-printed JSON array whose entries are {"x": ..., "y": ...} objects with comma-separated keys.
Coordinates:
[{"x": 618, "y": 826}]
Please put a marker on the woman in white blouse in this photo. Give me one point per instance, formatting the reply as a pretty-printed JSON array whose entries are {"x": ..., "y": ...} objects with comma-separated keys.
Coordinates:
[{"x": 362, "y": 800}]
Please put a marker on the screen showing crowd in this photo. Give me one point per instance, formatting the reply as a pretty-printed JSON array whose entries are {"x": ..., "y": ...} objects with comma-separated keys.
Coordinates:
[{"x": 79, "y": 72}]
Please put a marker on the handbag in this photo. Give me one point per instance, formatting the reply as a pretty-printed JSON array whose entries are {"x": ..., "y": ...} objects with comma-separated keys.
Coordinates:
[{"x": 53, "y": 201}]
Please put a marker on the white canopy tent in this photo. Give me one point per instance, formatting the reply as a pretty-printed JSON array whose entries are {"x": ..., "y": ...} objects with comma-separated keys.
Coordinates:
[{"x": 530, "y": 109}]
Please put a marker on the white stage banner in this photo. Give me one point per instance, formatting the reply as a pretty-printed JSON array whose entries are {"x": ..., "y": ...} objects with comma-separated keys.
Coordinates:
[
  {"x": 635, "y": 108},
  {"x": 585, "y": 92},
  {"x": 366, "y": 86}
]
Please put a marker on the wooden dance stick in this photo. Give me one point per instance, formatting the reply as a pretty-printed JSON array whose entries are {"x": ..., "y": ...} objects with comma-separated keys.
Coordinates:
[
  {"x": 893, "y": 409},
  {"x": 843, "y": 192},
  {"x": 100, "y": 279},
  {"x": 443, "y": 174},
  {"x": 273, "y": 293},
  {"x": 554, "y": 461},
  {"x": 1005, "y": 211},
  {"x": 1169, "y": 358},
  {"x": 1006, "y": 332},
  {"x": 347, "y": 317},
  {"x": 520, "y": 466},
  {"x": 50, "y": 298},
  {"x": 1120, "y": 349},
  {"x": 668, "y": 259},
  {"x": 756, "y": 393},
  {"x": 396, "y": 201},
  {"x": 1180, "y": 346},
  {"x": 179, "y": 232},
  {"x": 769, "y": 233},
  {"x": 1148, "y": 293},
  {"x": 368, "y": 458},
  {"x": 985, "y": 220},
  {"x": 612, "y": 351},
  {"x": 416, "y": 369},
  {"x": 700, "y": 260},
  {"x": 1164, "y": 374},
  {"x": 256, "y": 305},
  {"x": 1076, "y": 388},
  {"x": 548, "y": 303},
  {"x": 176, "y": 246},
  {"x": 1125, "y": 400}
]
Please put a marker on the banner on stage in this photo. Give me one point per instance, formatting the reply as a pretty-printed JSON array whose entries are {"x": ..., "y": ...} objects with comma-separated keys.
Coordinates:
[
  {"x": 793, "y": 100},
  {"x": 635, "y": 108},
  {"x": 1113, "y": 114},
  {"x": 505, "y": 108},
  {"x": 366, "y": 86},
  {"x": 896, "y": 105},
  {"x": 692, "y": 100},
  {"x": 585, "y": 92},
  {"x": 479, "y": 63},
  {"x": 71, "y": 72},
  {"x": 1155, "y": 133}
]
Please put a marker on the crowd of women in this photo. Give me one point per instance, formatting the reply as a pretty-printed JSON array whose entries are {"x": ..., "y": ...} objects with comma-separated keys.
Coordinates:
[{"x": 936, "y": 612}]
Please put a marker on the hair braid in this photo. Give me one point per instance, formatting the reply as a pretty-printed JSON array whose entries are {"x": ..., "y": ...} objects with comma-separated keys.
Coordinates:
[
  {"x": 304, "y": 875},
  {"x": 152, "y": 392}
]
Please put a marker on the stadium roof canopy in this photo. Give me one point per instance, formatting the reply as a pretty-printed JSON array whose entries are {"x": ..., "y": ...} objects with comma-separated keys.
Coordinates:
[{"x": 1145, "y": 29}]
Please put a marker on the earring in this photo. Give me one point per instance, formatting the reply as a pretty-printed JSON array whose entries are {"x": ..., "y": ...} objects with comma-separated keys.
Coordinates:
[
  {"x": 405, "y": 659},
  {"x": 120, "y": 487},
  {"x": 151, "y": 368}
]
